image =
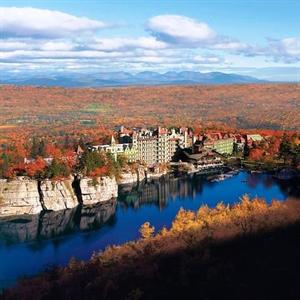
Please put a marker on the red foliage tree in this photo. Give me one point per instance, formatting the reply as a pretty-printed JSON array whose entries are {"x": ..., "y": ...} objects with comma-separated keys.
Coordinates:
[
  {"x": 36, "y": 167},
  {"x": 256, "y": 154}
]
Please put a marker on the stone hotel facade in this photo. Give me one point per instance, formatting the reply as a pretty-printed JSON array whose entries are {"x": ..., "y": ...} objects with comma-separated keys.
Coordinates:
[
  {"x": 161, "y": 145},
  {"x": 149, "y": 146}
]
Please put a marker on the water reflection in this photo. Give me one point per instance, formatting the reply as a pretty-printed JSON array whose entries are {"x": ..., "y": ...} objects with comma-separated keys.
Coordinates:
[
  {"x": 56, "y": 223},
  {"x": 159, "y": 191}
]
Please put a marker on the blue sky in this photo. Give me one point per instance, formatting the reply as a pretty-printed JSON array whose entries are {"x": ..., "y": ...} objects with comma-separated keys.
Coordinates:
[{"x": 258, "y": 38}]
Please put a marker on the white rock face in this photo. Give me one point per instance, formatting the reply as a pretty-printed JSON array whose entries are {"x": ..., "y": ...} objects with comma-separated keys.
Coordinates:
[
  {"x": 152, "y": 175},
  {"x": 19, "y": 196},
  {"x": 98, "y": 189},
  {"x": 130, "y": 177},
  {"x": 58, "y": 195},
  {"x": 141, "y": 171},
  {"x": 24, "y": 196}
]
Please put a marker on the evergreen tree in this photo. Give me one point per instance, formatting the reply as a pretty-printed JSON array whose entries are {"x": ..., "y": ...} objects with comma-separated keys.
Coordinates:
[
  {"x": 285, "y": 148},
  {"x": 42, "y": 149},
  {"x": 57, "y": 169},
  {"x": 296, "y": 156},
  {"x": 4, "y": 165},
  {"x": 38, "y": 148},
  {"x": 34, "y": 147},
  {"x": 89, "y": 161}
]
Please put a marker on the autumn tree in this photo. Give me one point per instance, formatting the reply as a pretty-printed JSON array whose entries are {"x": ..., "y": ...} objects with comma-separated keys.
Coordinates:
[
  {"x": 146, "y": 230},
  {"x": 256, "y": 154},
  {"x": 52, "y": 151},
  {"x": 36, "y": 168}
]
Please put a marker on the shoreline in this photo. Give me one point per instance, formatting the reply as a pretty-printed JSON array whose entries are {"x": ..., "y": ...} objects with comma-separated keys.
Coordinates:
[{"x": 71, "y": 194}]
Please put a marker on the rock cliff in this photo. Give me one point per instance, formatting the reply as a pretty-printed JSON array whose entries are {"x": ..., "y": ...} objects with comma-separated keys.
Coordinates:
[
  {"x": 27, "y": 196},
  {"x": 98, "y": 189},
  {"x": 141, "y": 172},
  {"x": 20, "y": 196},
  {"x": 128, "y": 178},
  {"x": 132, "y": 176},
  {"x": 57, "y": 195}
]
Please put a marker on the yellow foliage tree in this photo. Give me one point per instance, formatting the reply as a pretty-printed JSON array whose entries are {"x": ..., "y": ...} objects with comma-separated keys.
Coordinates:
[{"x": 147, "y": 230}]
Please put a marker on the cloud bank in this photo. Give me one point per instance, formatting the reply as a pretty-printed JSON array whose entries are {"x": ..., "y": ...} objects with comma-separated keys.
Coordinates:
[
  {"x": 43, "y": 23},
  {"x": 37, "y": 37}
]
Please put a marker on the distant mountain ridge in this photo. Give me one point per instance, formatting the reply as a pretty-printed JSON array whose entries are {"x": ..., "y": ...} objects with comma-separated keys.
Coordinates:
[{"x": 105, "y": 79}]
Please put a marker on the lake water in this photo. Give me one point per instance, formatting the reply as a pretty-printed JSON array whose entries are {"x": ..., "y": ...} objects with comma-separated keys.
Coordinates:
[{"x": 29, "y": 244}]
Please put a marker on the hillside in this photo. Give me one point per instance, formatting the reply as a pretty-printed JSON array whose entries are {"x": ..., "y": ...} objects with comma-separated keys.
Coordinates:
[
  {"x": 125, "y": 79},
  {"x": 266, "y": 106}
]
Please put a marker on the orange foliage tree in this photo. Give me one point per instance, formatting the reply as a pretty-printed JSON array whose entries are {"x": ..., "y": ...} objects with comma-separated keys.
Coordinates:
[{"x": 36, "y": 168}]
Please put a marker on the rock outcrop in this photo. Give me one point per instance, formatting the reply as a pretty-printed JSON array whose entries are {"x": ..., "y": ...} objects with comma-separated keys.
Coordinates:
[
  {"x": 155, "y": 175},
  {"x": 57, "y": 195},
  {"x": 128, "y": 178},
  {"x": 141, "y": 172},
  {"x": 98, "y": 189},
  {"x": 20, "y": 196},
  {"x": 27, "y": 196},
  {"x": 132, "y": 176}
]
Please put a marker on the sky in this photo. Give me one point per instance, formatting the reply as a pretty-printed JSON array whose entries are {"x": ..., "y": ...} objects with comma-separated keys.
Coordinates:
[{"x": 257, "y": 38}]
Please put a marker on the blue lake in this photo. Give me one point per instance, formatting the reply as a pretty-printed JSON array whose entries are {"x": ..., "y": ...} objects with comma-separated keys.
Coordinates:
[{"x": 29, "y": 244}]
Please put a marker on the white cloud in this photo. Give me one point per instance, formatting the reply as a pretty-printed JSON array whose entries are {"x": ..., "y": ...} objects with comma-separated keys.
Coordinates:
[
  {"x": 86, "y": 58},
  {"x": 207, "y": 59},
  {"x": 291, "y": 46},
  {"x": 12, "y": 45},
  {"x": 180, "y": 29},
  {"x": 287, "y": 49},
  {"x": 37, "y": 54},
  {"x": 184, "y": 32},
  {"x": 112, "y": 44},
  {"x": 57, "y": 46},
  {"x": 42, "y": 23},
  {"x": 232, "y": 46}
]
